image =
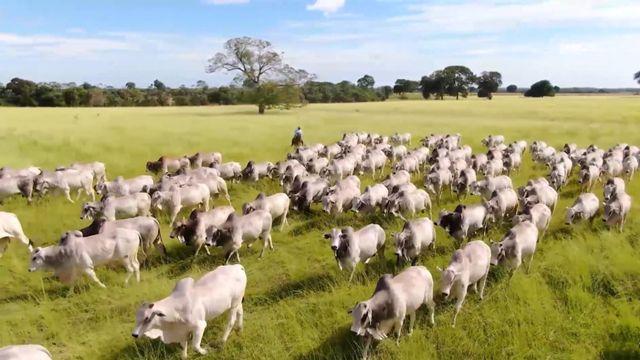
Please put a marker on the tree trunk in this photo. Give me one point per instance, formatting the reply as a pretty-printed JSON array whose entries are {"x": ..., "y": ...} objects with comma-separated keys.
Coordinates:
[{"x": 261, "y": 108}]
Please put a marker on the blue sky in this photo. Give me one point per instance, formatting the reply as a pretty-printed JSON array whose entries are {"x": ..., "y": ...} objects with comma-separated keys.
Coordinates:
[{"x": 570, "y": 42}]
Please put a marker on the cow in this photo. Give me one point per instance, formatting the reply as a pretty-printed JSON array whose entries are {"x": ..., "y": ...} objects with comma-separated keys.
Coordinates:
[
  {"x": 487, "y": 186},
  {"x": 463, "y": 221},
  {"x": 585, "y": 207},
  {"x": 310, "y": 192},
  {"x": 199, "y": 226},
  {"x": 403, "y": 138},
  {"x": 98, "y": 169},
  {"x": 409, "y": 202},
  {"x": 25, "y": 352},
  {"x": 540, "y": 194},
  {"x": 512, "y": 162},
  {"x": 612, "y": 187},
  {"x": 630, "y": 166},
  {"x": 558, "y": 176},
  {"x": 229, "y": 171},
  {"x": 519, "y": 242},
  {"x": 30, "y": 172},
  {"x": 10, "y": 228},
  {"x": 121, "y": 186},
  {"x": 191, "y": 303},
  {"x": 148, "y": 227},
  {"x": 315, "y": 166},
  {"x": 587, "y": 177},
  {"x": 166, "y": 164},
  {"x": 66, "y": 181},
  {"x": 478, "y": 161},
  {"x": 396, "y": 153},
  {"x": 351, "y": 247},
  {"x": 16, "y": 185},
  {"x": 616, "y": 210},
  {"x": 468, "y": 266},
  {"x": 177, "y": 198},
  {"x": 372, "y": 197},
  {"x": 393, "y": 299},
  {"x": 199, "y": 160},
  {"x": 330, "y": 151},
  {"x": 492, "y": 168},
  {"x": 76, "y": 253},
  {"x": 340, "y": 196},
  {"x": 277, "y": 205},
  {"x": 340, "y": 168},
  {"x": 118, "y": 207},
  {"x": 237, "y": 230},
  {"x": 409, "y": 163},
  {"x": 502, "y": 203},
  {"x": 492, "y": 140},
  {"x": 397, "y": 178},
  {"x": 612, "y": 168},
  {"x": 255, "y": 172},
  {"x": 416, "y": 235},
  {"x": 437, "y": 180},
  {"x": 462, "y": 183},
  {"x": 538, "y": 214}
]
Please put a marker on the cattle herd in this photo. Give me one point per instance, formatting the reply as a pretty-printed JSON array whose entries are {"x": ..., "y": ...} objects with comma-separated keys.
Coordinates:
[{"x": 124, "y": 220}]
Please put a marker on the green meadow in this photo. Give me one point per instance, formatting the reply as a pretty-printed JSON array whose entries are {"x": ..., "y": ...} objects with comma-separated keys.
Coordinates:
[{"x": 581, "y": 299}]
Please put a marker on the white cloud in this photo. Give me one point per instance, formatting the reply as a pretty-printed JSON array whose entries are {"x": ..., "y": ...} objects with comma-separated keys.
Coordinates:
[
  {"x": 326, "y": 6},
  {"x": 226, "y": 2},
  {"x": 76, "y": 30},
  {"x": 494, "y": 16}
]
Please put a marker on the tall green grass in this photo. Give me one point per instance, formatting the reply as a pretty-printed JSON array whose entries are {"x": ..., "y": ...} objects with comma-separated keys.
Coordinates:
[{"x": 580, "y": 299}]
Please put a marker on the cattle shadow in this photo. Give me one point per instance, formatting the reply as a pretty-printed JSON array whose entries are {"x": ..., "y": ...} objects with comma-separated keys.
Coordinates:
[
  {"x": 624, "y": 343},
  {"x": 341, "y": 344},
  {"x": 295, "y": 289},
  {"x": 146, "y": 348}
]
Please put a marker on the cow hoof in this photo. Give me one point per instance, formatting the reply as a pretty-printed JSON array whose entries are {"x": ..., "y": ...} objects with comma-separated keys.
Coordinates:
[{"x": 201, "y": 351}]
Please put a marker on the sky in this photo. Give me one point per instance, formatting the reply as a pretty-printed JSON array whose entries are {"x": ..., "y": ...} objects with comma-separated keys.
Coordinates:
[{"x": 110, "y": 42}]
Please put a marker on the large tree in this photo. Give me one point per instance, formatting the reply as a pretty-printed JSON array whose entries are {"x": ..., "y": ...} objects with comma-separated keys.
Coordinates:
[
  {"x": 636, "y": 77},
  {"x": 366, "y": 82},
  {"x": 433, "y": 85},
  {"x": 488, "y": 83},
  {"x": 540, "y": 89},
  {"x": 257, "y": 64},
  {"x": 457, "y": 80},
  {"x": 512, "y": 88},
  {"x": 405, "y": 86}
]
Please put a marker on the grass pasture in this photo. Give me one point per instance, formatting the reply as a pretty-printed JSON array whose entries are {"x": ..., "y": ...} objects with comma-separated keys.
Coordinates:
[{"x": 581, "y": 299}]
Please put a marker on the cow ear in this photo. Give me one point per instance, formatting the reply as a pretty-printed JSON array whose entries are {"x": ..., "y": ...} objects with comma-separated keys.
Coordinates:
[
  {"x": 151, "y": 305},
  {"x": 77, "y": 233},
  {"x": 327, "y": 236}
]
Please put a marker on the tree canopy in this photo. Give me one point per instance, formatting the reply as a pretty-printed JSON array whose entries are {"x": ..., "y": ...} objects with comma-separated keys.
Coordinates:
[
  {"x": 636, "y": 77},
  {"x": 256, "y": 64},
  {"x": 457, "y": 80},
  {"x": 512, "y": 88},
  {"x": 540, "y": 89},
  {"x": 488, "y": 83},
  {"x": 403, "y": 86},
  {"x": 366, "y": 82}
]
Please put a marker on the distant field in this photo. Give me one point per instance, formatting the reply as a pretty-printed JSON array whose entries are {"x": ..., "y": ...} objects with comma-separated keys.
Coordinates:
[{"x": 580, "y": 300}]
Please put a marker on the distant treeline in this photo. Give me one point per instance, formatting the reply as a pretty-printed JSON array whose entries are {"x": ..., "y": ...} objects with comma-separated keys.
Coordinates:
[{"x": 20, "y": 92}]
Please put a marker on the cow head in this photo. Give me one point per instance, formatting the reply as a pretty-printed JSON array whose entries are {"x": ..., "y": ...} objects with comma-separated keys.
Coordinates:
[
  {"x": 328, "y": 203},
  {"x": 362, "y": 315},
  {"x": 334, "y": 237},
  {"x": 37, "y": 261},
  {"x": 178, "y": 231},
  {"x": 248, "y": 208},
  {"x": 570, "y": 215},
  {"x": 148, "y": 317},
  {"x": 401, "y": 245},
  {"x": 41, "y": 185},
  {"x": 90, "y": 210},
  {"x": 449, "y": 277},
  {"x": 611, "y": 213},
  {"x": 154, "y": 167},
  {"x": 498, "y": 252}
]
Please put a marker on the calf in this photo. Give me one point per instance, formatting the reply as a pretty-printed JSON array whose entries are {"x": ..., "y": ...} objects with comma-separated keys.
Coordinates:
[
  {"x": 519, "y": 242},
  {"x": 277, "y": 205},
  {"x": 416, "y": 236},
  {"x": 616, "y": 210},
  {"x": 76, "y": 253},
  {"x": 191, "y": 303},
  {"x": 237, "y": 230},
  {"x": 393, "y": 299},
  {"x": 468, "y": 266},
  {"x": 10, "y": 228},
  {"x": 352, "y": 247},
  {"x": 585, "y": 207}
]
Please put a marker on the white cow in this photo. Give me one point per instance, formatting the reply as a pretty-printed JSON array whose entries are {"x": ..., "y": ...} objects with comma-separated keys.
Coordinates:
[
  {"x": 76, "y": 254},
  {"x": 277, "y": 205},
  {"x": 616, "y": 210},
  {"x": 394, "y": 298},
  {"x": 24, "y": 352},
  {"x": 539, "y": 214},
  {"x": 352, "y": 247},
  {"x": 416, "y": 236},
  {"x": 468, "y": 266},
  {"x": 121, "y": 186},
  {"x": 177, "y": 198},
  {"x": 191, "y": 303},
  {"x": 10, "y": 228},
  {"x": 585, "y": 207},
  {"x": 66, "y": 181},
  {"x": 245, "y": 229},
  {"x": 519, "y": 242}
]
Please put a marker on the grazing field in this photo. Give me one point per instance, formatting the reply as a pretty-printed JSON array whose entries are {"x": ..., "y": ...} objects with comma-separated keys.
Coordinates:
[{"x": 581, "y": 298}]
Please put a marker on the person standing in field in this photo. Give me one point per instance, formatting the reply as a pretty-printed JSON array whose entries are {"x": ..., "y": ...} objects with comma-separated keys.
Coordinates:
[{"x": 297, "y": 137}]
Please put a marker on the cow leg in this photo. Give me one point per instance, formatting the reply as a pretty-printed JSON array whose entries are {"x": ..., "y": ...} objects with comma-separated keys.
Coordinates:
[
  {"x": 233, "y": 314},
  {"x": 458, "y": 306},
  {"x": 128, "y": 264},
  {"x": 228, "y": 257},
  {"x": 353, "y": 271},
  {"x": 174, "y": 215},
  {"x": 89, "y": 190},
  {"x": 239, "y": 318},
  {"x": 136, "y": 266},
  {"x": 412, "y": 319},
  {"x": 92, "y": 275},
  {"x": 483, "y": 283},
  {"x": 367, "y": 344},
  {"x": 4, "y": 243},
  {"x": 206, "y": 204},
  {"x": 530, "y": 261},
  {"x": 184, "y": 345},
  {"x": 197, "y": 337},
  {"x": 398, "y": 326},
  {"x": 284, "y": 220},
  {"x": 67, "y": 195},
  {"x": 431, "y": 305}
]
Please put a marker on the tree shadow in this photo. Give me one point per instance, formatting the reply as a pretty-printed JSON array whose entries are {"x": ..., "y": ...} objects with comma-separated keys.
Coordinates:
[{"x": 294, "y": 289}]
